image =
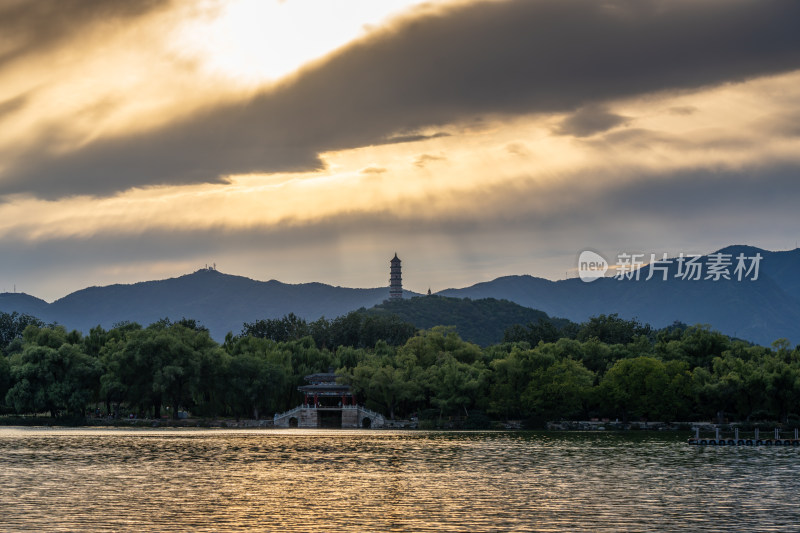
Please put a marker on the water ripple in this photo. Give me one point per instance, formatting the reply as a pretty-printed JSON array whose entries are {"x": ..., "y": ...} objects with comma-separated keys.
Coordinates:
[{"x": 179, "y": 480}]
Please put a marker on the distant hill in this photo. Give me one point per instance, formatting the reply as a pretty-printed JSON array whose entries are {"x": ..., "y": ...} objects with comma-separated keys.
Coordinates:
[
  {"x": 480, "y": 321},
  {"x": 220, "y": 302},
  {"x": 760, "y": 311},
  {"x": 23, "y": 304}
]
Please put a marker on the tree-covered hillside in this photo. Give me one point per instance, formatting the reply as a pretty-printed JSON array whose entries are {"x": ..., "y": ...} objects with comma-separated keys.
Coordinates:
[{"x": 482, "y": 322}]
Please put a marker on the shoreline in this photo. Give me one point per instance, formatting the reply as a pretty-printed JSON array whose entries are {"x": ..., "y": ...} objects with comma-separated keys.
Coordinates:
[{"x": 511, "y": 426}]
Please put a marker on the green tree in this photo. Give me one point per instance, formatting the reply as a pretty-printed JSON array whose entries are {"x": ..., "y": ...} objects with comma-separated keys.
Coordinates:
[
  {"x": 699, "y": 345},
  {"x": 52, "y": 375},
  {"x": 131, "y": 366},
  {"x": 258, "y": 376},
  {"x": 188, "y": 357},
  {"x": 455, "y": 385},
  {"x": 611, "y": 329},
  {"x": 543, "y": 330},
  {"x": 783, "y": 386},
  {"x": 677, "y": 400},
  {"x": 305, "y": 358},
  {"x": 597, "y": 356},
  {"x": 559, "y": 390},
  {"x": 636, "y": 387},
  {"x": 290, "y": 327},
  {"x": 5, "y": 378},
  {"x": 428, "y": 345},
  {"x": 12, "y": 325},
  {"x": 382, "y": 382},
  {"x": 384, "y": 328},
  {"x": 507, "y": 381}
]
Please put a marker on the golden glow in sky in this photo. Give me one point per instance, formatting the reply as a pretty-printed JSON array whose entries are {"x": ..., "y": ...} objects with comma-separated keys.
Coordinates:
[
  {"x": 263, "y": 40},
  {"x": 474, "y": 138}
]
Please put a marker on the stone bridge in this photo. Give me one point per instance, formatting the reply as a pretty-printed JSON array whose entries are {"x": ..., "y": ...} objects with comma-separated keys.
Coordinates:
[{"x": 346, "y": 417}]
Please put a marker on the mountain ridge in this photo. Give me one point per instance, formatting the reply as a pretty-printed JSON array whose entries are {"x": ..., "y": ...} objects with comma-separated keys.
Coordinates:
[
  {"x": 760, "y": 311},
  {"x": 221, "y": 302}
]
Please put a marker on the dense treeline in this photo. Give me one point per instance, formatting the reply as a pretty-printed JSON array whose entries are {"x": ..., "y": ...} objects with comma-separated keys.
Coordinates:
[
  {"x": 357, "y": 329},
  {"x": 606, "y": 367}
]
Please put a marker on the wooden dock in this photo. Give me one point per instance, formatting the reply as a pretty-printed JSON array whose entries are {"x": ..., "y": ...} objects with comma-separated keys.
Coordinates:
[{"x": 737, "y": 440}]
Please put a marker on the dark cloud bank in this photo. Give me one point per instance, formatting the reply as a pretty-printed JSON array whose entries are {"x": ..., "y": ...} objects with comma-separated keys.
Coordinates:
[
  {"x": 437, "y": 68},
  {"x": 32, "y": 27}
]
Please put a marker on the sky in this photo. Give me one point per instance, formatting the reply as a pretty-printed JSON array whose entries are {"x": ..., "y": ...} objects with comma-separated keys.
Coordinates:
[{"x": 310, "y": 140}]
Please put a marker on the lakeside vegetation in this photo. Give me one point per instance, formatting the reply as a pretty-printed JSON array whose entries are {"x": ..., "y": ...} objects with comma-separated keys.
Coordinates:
[{"x": 606, "y": 367}]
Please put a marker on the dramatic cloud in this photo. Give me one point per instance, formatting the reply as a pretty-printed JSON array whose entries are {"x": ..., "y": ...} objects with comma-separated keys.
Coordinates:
[
  {"x": 437, "y": 66},
  {"x": 588, "y": 121},
  {"x": 476, "y": 138},
  {"x": 28, "y": 28},
  {"x": 373, "y": 170},
  {"x": 496, "y": 230},
  {"x": 424, "y": 159},
  {"x": 13, "y": 104}
]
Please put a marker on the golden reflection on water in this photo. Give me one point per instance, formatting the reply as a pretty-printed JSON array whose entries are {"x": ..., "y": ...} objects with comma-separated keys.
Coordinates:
[{"x": 301, "y": 480}]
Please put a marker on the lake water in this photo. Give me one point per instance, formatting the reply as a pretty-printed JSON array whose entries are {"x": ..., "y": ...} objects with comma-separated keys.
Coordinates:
[{"x": 306, "y": 480}]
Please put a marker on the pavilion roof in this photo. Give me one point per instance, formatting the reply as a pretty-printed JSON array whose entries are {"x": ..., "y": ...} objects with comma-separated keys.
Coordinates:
[
  {"x": 329, "y": 376},
  {"x": 325, "y": 388}
]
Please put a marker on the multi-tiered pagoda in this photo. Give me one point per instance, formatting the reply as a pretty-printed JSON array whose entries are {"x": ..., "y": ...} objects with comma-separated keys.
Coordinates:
[{"x": 395, "y": 279}]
